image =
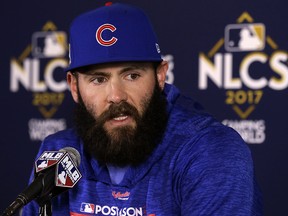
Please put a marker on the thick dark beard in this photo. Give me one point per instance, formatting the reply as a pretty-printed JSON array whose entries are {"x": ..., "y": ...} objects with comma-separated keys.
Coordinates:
[{"x": 126, "y": 145}]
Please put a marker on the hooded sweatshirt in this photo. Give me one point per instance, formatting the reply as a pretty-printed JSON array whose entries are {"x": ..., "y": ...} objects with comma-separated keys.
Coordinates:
[{"x": 200, "y": 167}]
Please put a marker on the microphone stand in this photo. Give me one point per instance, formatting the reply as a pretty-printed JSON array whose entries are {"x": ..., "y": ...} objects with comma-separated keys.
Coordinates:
[{"x": 45, "y": 209}]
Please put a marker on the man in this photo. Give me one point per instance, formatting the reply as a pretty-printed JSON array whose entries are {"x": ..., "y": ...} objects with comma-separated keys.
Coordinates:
[{"x": 145, "y": 148}]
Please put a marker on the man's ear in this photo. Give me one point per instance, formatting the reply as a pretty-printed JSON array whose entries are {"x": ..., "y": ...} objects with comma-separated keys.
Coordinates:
[
  {"x": 161, "y": 73},
  {"x": 72, "y": 83}
]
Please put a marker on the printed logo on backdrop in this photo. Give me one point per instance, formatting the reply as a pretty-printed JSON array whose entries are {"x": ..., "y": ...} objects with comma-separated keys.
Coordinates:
[
  {"x": 38, "y": 71},
  {"x": 246, "y": 63},
  {"x": 170, "y": 73}
]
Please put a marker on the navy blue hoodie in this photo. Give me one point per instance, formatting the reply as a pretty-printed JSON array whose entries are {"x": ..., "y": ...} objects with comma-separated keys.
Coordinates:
[{"x": 201, "y": 167}]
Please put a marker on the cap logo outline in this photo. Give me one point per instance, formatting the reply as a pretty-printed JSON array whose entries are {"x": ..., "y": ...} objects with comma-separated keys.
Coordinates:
[{"x": 100, "y": 30}]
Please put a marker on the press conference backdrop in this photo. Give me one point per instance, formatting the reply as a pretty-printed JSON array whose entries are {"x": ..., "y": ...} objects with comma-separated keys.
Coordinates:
[{"x": 231, "y": 56}]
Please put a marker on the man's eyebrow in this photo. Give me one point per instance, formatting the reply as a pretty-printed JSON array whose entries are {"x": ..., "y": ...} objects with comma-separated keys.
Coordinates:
[
  {"x": 134, "y": 67},
  {"x": 97, "y": 73}
]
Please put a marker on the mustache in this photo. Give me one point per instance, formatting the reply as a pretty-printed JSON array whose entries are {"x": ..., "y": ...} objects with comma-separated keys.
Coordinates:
[{"x": 116, "y": 110}]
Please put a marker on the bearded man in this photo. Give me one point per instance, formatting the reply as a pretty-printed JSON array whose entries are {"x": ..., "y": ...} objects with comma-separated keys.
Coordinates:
[{"x": 145, "y": 148}]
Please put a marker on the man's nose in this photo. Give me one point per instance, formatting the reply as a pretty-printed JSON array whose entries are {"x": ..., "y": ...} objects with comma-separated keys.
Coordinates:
[{"x": 116, "y": 92}]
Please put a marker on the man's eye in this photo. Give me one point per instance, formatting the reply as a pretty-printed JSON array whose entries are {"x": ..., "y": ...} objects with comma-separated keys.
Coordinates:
[
  {"x": 133, "y": 76},
  {"x": 99, "y": 80}
]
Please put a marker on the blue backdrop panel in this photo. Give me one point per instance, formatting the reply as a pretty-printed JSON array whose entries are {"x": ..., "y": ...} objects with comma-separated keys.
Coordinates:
[{"x": 231, "y": 56}]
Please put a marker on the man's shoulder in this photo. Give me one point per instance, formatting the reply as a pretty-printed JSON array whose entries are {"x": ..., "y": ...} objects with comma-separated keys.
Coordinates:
[
  {"x": 185, "y": 113},
  {"x": 190, "y": 122},
  {"x": 190, "y": 117},
  {"x": 62, "y": 139}
]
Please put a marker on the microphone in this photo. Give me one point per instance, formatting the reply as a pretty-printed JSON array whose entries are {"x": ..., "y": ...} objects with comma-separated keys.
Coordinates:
[{"x": 55, "y": 172}]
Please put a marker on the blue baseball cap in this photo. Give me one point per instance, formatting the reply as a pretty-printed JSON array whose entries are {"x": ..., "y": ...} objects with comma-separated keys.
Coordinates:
[{"x": 112, "y": 33}]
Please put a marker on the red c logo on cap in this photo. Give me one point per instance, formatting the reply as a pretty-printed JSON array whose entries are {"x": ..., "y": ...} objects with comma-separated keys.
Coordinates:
[{"x": 99, "y": 32}]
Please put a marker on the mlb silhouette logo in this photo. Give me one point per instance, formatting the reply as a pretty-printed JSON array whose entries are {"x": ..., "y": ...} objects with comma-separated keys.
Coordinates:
[
  {"x": 49, "y": 44},
  {"x": 47, "y": 159},
  {"x": 62, "y": 178},
  {"x": 44, "y": 164},
  {"x": 67, "y": 174},
  {"x": 87, "y": 207},
  {"x": 245, "y": 37}
]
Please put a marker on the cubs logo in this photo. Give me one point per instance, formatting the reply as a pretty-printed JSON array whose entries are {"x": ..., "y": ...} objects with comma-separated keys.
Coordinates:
[{"x": 99, "y": 36}]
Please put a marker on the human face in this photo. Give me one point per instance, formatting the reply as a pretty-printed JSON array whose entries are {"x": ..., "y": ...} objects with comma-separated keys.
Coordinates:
[
  {"x": 125, "y": 146},
  {"x": 107, "y": 84}
]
